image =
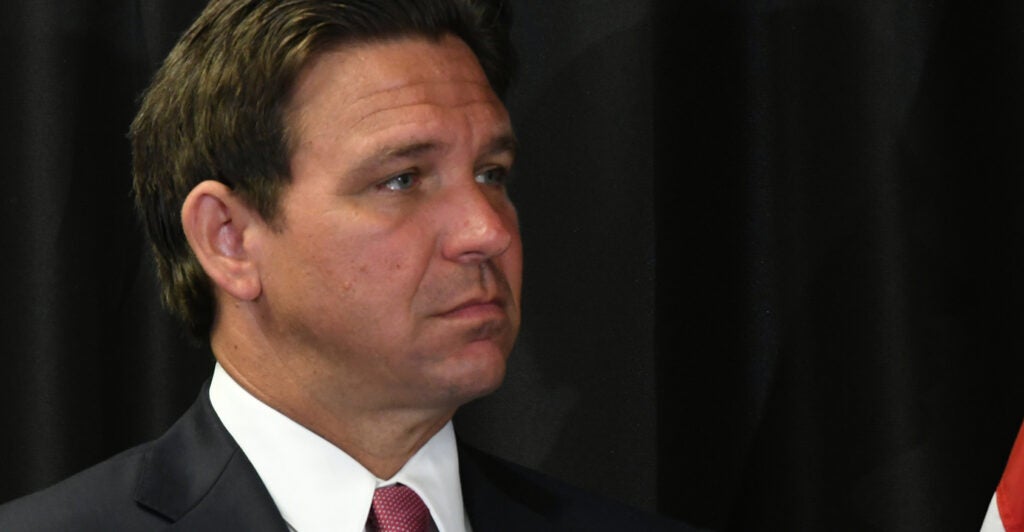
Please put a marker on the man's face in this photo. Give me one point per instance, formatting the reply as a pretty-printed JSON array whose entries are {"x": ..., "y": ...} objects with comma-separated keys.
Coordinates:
[{"x": 395, "y": 275}]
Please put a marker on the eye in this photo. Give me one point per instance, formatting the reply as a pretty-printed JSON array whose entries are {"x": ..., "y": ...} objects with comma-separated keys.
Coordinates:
[
  {"x": 399, "y": 182},
  {"x": 496, "y": 176}
]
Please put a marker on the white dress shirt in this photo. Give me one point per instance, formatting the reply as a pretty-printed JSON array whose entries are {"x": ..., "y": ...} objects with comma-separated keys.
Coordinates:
[{"x": 317, "y": 486}]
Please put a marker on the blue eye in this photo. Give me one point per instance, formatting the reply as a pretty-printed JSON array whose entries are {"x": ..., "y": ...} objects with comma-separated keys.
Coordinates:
[
  {"x": 496, "y": 176},
  {"x": 399, "y": 182}
]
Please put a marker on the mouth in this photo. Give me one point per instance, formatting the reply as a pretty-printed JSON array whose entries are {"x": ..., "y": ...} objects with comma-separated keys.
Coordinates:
[{"x": 477, "y": 308}]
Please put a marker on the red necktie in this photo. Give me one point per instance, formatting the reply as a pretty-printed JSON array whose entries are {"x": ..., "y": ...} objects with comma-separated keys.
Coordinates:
[{"x": 397, "y": 508}]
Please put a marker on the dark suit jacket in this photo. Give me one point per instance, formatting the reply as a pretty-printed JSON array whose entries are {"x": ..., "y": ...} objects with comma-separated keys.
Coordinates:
[{"x": 196, "y": 478}]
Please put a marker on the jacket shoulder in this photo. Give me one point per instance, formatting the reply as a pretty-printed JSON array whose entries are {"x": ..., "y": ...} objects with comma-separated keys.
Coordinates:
[
  {"x": 193, "y": 478},
  {"x": 98, "y": 498}
]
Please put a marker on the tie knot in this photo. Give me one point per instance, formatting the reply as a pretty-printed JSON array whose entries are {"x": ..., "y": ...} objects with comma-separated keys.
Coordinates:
[{"x": 397, "y": 508}]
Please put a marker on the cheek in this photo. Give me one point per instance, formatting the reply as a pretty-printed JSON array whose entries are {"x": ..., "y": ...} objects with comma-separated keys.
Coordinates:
[
  {"x": 369, "y": 266},
  {"x": 388, "y": 266}
]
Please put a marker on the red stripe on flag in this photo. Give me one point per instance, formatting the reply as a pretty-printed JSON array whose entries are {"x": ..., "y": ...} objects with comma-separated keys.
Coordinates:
[{"x": 1010, "y": 493}]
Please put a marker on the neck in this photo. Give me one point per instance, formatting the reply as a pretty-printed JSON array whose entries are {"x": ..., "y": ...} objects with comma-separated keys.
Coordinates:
[{"x": 381, "y": 438}]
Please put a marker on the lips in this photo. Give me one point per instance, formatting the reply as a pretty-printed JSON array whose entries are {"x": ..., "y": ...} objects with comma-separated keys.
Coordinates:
[{"x": 477, "y": 308}]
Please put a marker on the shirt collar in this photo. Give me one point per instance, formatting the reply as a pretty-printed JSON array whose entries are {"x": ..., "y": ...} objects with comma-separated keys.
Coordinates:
[{"x": 317, "y": 486}]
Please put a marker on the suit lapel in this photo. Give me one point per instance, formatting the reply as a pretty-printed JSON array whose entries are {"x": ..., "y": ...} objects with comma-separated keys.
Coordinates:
[{"x": 197, "y": 477}]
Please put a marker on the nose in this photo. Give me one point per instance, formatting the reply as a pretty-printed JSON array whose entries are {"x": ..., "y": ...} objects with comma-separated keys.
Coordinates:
[{"x": 481, "y": 224}]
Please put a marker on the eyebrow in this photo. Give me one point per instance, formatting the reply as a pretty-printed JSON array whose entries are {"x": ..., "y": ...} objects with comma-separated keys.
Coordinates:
[
  {"x": 406, "y": 151},
  {"x": 503, "y": 143}
]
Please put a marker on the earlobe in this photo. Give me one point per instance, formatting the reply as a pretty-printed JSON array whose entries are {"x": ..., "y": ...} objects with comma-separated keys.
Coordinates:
[{"x": 216, "y": 224}]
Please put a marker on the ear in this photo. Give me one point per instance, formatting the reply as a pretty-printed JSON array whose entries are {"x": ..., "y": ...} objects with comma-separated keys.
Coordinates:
[{"x": 216, "y": 224}]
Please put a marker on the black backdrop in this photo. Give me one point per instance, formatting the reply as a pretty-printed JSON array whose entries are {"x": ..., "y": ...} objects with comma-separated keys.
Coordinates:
[{"x": 773, "y": 254}]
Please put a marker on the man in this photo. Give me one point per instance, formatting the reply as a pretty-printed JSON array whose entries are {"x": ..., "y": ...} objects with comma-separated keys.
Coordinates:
[{"x": 324, "y": 186}]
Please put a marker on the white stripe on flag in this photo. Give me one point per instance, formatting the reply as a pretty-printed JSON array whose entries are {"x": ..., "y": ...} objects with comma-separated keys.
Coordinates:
[{"x": 992, "y": 523}]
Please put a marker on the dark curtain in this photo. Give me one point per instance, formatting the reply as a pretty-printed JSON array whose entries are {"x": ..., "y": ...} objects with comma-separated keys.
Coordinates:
[{"x": 772, "y": 254}]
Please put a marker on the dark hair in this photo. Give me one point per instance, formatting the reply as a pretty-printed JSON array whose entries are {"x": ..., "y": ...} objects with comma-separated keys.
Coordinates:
[{"x": 215, "y": 109}]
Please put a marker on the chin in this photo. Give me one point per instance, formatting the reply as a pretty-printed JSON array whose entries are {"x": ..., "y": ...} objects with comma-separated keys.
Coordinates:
[{"x": 476, "y": 376}]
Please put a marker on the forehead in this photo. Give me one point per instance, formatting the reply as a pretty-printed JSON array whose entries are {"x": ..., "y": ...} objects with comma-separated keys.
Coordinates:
[{"x": 369, "y": 87}]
